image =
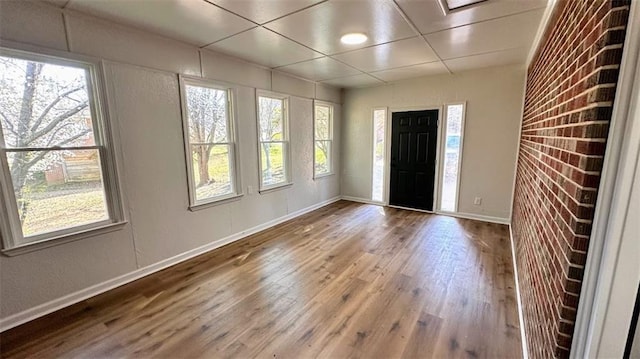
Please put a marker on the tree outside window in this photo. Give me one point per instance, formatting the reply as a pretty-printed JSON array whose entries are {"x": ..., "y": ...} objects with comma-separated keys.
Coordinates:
[
  {"x": 211, "y": 147},
  {"x": 273, "y": 141},
  {"x": 323, "y": 138},
  {"x": 51, "y": 149}
]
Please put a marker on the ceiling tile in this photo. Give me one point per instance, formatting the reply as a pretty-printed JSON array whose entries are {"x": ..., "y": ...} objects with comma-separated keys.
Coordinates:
[
  {"x": 498, "y": 58},
  {"x": 195, "y": 22},
  {"x": 428, "y": 17},
  {"x": 264, "y": 47},
  {"x": 354, "y": 81},
  {"x": 320, "y": 27},
  {"x": 394, "y": 54},
  {"x": 432, "y": 68},
  {"x": 492, "y": 35},
  {"x": 320, "y": 69},
  {"x": 261, "y": 11}
]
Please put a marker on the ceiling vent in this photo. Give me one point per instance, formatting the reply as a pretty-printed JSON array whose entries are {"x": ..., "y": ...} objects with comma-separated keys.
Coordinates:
[{"x": 449, "y": 6}]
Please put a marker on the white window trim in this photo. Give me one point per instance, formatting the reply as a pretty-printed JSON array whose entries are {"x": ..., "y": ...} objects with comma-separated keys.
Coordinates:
[
  {"x": 106, "y": 142},
  {"x": 387, "y": 122},
  {"x": 195, "y": 204},
  {"x": 285, "y": 141},
  {"x": 443, "y": 149},
  {"x": 331, "y": 138}
]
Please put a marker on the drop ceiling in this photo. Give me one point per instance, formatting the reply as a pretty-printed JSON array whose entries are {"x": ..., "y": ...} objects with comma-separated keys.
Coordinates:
[{"x": 406, "y": 38}]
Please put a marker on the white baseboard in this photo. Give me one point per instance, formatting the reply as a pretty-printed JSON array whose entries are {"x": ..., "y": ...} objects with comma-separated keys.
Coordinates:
[
  {"x": 362, "y": 200},
  {"x": 476, "y": 217},
  {"x": 73, "y": 298},
  {"x": 523, "y": 333}
]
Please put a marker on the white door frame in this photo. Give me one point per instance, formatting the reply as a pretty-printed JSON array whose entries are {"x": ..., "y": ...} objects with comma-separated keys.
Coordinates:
[
  {"x": 607, "y": 299},
  {"x": 387, "y": 150}
]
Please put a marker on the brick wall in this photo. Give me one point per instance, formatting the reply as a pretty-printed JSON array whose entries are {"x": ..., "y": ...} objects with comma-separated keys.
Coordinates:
[{"x": 571, "y": 85}]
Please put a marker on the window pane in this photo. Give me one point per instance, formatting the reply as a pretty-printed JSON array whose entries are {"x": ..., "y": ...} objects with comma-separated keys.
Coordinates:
[
  {"x": 323, "y": 157},
  {"x": 57, "y": 189},
  {"x": 270, "y": 111},
  {"x": 451, "y": 158},
  {"x": 211, "y": 170},
  {"x": 207, "y": 113},
  {"x": 44, "y": 105},
  {"x": 379, "y": 119},
  {"x": 273, "y": 163},
  {"x": 323, "y": 123}
]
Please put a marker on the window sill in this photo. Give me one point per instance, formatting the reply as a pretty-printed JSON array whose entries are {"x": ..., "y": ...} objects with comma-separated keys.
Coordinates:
[
  {"x": 54, "y": 241},
  {"x": 324, "y": 175},
  {"x": 217, "y": 202},
  {"x": 275, "y": 188}
]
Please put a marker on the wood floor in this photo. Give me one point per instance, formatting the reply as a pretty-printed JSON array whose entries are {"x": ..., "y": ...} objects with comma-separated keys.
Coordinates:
[{"x": 347, "y": 280}]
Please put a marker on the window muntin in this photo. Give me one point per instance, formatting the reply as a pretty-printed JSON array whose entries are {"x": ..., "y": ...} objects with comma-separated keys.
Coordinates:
[
  {"x": 210, "y": 142},
  {"x": 323, "y": 139},
  {"x": 377, "y": 182},
  {"x": 452, "y": 157},
  {"x": 273, "y": 140},
  {"x": 54, "y": 156}
]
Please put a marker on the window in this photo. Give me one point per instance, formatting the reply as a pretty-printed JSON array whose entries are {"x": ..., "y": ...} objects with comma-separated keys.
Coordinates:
[
  {"x": 323, "y": 139},
  {"x": 273, "y": 140},
  {"x": 58, "y": 176},
  {"x": 377, "y": 183},
  {"x": 452, "y": 157},
  {"x": 210, "y": 141}
]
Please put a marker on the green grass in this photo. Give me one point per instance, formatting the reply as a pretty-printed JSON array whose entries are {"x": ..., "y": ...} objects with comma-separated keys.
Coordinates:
[
  {"x": 58, "y": 212},
  {"x": 218, "y": 165}
]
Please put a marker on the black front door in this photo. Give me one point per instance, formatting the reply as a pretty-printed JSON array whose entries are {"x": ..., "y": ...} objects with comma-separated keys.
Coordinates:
[{"x": 413, "y": 158}]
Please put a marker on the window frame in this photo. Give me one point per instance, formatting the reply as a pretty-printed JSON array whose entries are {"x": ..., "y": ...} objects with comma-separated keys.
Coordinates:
[
  {"x": 234, "y": 162},
  {"x": 329, "y": 105},
  {"x": 386, "y": 152},
  {"x": 286, "y": 143},
  {"x": 443, "y": 153},
  {"x": 12, "y": 238}
]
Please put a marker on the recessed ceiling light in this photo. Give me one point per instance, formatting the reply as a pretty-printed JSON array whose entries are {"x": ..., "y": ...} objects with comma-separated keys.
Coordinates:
[{"x": 353, "y": 38}]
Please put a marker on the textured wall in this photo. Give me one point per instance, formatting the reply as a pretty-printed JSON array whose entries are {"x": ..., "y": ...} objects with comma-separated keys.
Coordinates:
[
  {"x": 141, "y": 75},
  {"x": 494, "y": 106},
  {"x": 571, "y": 85}
]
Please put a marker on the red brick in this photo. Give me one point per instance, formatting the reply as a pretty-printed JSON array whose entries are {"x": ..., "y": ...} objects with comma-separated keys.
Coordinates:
[{"x": 564, "y": 128}]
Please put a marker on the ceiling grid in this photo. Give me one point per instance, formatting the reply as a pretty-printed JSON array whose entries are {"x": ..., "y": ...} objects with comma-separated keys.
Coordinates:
[{"x": 405, "y": 38}]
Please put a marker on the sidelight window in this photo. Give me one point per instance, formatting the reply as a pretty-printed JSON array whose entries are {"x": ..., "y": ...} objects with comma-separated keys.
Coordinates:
[
  {"x": 452, "y": 154},
  {"x": 377, "y": 182}
]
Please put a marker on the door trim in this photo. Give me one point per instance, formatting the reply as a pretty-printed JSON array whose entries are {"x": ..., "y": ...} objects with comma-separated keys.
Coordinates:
[{"x": 387, "y": 150}]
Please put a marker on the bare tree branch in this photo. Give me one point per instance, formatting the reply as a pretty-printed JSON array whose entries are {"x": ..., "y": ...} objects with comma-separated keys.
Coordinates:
[
  {"x": 71, "y": 139},
  {"x": 45, "y": 112},
  {"x": 53, "y": 136},
  {"x": 10, "y": 126},
  {"x": 57, "y": 120},
  {"x": 41, "y": 155}
]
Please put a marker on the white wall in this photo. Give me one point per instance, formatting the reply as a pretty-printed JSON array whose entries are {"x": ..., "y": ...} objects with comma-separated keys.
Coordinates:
[
  {"x": 141, "y": 77},
  {"x": 494, "y": 109}
]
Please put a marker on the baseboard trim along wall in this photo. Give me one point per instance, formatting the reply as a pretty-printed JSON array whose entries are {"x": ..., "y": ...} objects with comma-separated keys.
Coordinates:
[
  {"x": 476, "y": 217},
  {"x": 73, "y": 298},
  {"x": 362, "y": 200},
  {"x": 523, "y": 333}
]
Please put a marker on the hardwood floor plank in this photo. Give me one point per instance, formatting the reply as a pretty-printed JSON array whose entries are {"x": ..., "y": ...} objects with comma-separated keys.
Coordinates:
[{"x": 347, "y": 280}]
